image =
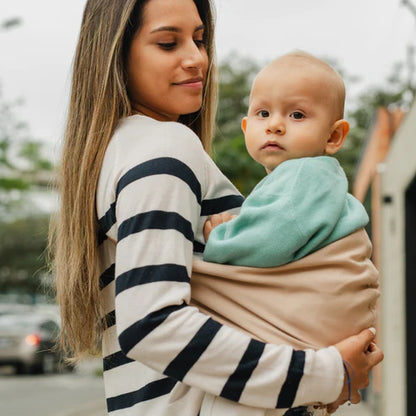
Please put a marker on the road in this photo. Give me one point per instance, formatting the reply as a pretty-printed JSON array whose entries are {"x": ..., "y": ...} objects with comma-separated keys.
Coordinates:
[
  {"x": 80, "y": 393},
  {"x": 72, "y": 394}
]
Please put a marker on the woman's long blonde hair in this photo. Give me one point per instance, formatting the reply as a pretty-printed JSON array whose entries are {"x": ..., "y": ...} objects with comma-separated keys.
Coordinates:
[{"x": 99, "y": 99}]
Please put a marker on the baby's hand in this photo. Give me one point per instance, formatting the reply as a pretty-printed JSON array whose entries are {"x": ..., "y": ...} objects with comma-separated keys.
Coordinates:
[{"x": 215, "y": 220}]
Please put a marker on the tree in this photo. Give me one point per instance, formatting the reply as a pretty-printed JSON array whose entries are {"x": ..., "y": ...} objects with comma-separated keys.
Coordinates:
[
  {"x": 22, "y": 254},
  {"x": 236, "y": 76},
  {"x": 397, "y": 91},
  {"x": 23, "y": 230},
  {"x": 22, "y": 163}
]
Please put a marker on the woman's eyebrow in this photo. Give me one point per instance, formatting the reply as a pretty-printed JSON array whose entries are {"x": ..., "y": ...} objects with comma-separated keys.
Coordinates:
[{"x": 175, "y": 29}]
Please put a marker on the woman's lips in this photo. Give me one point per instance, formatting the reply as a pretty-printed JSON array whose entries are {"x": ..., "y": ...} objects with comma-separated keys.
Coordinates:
[{"x": 191, "y": 83}]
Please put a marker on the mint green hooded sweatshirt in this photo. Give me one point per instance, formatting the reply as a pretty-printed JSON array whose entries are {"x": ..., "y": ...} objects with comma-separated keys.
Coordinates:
[{"x": 300, "y": 207}]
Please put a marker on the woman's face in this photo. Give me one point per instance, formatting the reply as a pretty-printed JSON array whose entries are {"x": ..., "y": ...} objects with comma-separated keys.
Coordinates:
[{"x": 167, "y": 62}]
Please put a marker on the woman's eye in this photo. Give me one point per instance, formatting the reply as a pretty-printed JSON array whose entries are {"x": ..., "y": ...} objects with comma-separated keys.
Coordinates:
[
  {"x": 200, "y": 43},
  {"x": 263, "y": 113},
  {"x": 297, "y": 115},
  {"x": 167, "y": 46}
]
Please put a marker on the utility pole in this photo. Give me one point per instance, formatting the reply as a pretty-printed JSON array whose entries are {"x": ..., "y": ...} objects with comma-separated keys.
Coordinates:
[
  {"x": 410, "y": 6},
  {"x": 410, "y": 48},
  {"x": 10, "y": 23}
]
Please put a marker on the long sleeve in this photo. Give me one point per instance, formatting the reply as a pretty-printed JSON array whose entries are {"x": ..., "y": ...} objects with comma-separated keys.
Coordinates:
[
  {"x": 299, "y": 208},
  {"x": 160, "y": 190}
]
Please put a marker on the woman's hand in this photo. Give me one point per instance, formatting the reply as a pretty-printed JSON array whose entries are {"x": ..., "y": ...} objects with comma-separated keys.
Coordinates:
[
  {"x": 215, "y": 220},
  {"x": 362, "y": 354}
]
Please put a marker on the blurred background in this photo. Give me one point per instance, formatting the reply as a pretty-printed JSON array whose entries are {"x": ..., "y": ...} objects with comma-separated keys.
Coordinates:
[{"x": 371, "y": 43}]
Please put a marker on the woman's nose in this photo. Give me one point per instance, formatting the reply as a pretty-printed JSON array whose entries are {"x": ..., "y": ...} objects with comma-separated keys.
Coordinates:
[
  {"x": 194, "y": 57},
  {"x": 276, "y": 125}
]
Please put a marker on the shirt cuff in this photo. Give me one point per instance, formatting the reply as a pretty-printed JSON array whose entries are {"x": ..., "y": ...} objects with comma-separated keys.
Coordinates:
[{"x": 323, "y": 377}]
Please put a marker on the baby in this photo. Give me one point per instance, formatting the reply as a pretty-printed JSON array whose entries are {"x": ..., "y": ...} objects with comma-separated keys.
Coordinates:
[
  {"x": 297, "y": 253},
  {"x": 295, "y": 118}
]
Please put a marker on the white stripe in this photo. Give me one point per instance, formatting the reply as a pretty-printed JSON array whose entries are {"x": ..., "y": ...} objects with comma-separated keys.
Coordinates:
[
  {"x": 108, "y": 297},
  {"x": 161, "y": 202},
  {"x": 128, "y": 374},
  {"x": 164, "y": 344},
  {"x": 110, "y": 341},
  {"x": 156, "y": 247},
  {"x": 136, "y": 303},
  {"x": 226, "y": 343},
  {"x": 272, "y": 378}
]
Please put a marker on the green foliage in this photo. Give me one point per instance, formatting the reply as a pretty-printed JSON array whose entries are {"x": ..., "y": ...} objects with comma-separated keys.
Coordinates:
[
  {"x": 236, "y": 75},
  {"x": 396, "y": 92},
  {"x": 22, "y": 254},
  {"x": 21, "y": 160},
  {"x": 31, "y": 152},
  {"x": 22, "y": 240},
  {"x": 229, "y": 151}
]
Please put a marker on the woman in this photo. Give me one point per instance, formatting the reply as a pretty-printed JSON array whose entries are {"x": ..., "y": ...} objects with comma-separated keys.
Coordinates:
[{"x": 135, "y": 174}]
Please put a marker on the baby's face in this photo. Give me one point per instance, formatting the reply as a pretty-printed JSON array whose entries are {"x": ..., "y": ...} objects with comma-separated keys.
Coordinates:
[{"x": 291, "y": 114}]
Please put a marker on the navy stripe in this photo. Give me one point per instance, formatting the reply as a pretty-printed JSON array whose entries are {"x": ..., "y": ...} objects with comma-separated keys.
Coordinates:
[
  {"x": 161, "y": 166},
  {"x": 238, "y": 380},
  {"x": 109, "y": 319},
  {"x": 101, "y": 236},
  {"x": 140, "y": 329},
  {"x": 115, "y": 360},
  {"x": 108, "y": 276},
  {"x": 225, "y": 203},
  {"x": 150, "y": 391},
  {"x": 294, "y": 375},
  {"x": 179, "y": 366},
  {"x": 151, "y": 274},
  {"x": 106, "y": 222},
  {"x": 198, "y": 247},
  {"x": 160, "y": 220}
]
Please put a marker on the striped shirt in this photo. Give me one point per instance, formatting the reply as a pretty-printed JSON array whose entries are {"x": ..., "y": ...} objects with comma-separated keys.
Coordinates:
[{"x": 157, "y": 187}]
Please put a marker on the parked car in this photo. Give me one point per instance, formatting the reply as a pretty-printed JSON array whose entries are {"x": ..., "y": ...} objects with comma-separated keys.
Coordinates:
[{"x": 27, "y": 341}]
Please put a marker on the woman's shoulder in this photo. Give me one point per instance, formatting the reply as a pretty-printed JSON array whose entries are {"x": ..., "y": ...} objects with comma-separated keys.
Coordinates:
[
  {"x": 139, "y": 140},
  {"x": 140, "y": 131}
]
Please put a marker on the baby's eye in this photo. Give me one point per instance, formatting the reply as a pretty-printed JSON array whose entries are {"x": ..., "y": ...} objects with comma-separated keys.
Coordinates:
[
  {"x": 263, "y": 113},
  {"x": 297, "y": 115}
]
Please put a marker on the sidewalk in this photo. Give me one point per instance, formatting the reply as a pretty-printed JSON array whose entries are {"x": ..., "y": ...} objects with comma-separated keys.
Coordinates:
[
  {"x": 353, "y": 410},
  {"x": 96, "y": 408}
]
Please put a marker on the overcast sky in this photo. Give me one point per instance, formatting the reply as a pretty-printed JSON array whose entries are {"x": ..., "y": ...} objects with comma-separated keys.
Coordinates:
[{"x": 366, "y": 37}]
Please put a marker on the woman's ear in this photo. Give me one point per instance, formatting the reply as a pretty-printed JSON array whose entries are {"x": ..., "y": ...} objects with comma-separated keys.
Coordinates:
[
  {"x": 244, "y": 124},
  {"x": 339, "y": 132}
]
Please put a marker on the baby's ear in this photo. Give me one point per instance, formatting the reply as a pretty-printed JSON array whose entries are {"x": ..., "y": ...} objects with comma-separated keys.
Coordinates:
[
  {"x": 339, "y": 132},
  {"x": 244, "y": 124}
]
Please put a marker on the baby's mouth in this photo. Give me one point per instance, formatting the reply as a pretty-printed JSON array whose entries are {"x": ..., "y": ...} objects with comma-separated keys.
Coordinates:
[{"x": 273, "y": 145}]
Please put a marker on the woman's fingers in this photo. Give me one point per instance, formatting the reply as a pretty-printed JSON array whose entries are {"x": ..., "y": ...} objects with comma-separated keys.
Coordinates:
[
  {"x": 366, "y": 337},
  {"x": 375, "y": 354},
  {"x": 208, "y": 227},
  {"x": 355, "y": 397},
  {"x": 360, "y": 354}
]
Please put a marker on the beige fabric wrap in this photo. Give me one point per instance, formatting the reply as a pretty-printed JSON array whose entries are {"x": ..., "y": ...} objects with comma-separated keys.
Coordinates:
[{"x": 311, "y": 303}]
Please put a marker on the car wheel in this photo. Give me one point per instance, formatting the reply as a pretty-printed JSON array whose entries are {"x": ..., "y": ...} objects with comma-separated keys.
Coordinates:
[{"x": 21, "y": 368}]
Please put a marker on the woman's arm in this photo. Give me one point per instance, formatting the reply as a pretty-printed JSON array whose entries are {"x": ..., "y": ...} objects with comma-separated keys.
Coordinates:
[{"x": 157, "y": 207}]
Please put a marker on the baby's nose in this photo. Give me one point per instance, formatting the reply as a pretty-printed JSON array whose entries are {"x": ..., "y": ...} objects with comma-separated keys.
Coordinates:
[{"x": 276, "y": 125}]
